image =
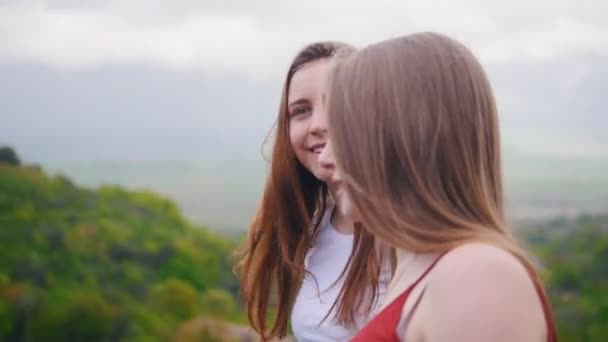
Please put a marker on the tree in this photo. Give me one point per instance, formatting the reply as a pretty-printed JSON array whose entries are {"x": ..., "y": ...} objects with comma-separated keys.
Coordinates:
[
  {"x": 85, "y": 316},
  {"x": 177, "y": 298},
  {"x": 219, "y": 303},
  {"x": 9, "y": 156}
]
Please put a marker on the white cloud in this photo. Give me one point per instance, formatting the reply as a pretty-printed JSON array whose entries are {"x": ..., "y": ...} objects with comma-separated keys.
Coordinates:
[
  {"x": 74, "y": 39},
  {"x": 257, "y": 38},
  {"x": 560, "y": 37}
]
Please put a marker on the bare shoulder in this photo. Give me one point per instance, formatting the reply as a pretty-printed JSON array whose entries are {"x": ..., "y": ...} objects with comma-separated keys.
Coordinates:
[
  {"x": 479, "y": 292},
  {"x": 477, "y": 261}
]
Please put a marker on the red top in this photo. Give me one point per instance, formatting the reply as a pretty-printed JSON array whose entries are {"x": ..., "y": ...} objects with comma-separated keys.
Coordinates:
[{"x": 383, "y": 328}]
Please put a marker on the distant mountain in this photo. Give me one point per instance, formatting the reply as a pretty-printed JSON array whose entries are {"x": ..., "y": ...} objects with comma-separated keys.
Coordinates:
[{"x": 223, "y": 192}]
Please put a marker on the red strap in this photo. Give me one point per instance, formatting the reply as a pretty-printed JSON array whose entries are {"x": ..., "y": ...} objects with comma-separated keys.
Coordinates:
[
  {"x": 383, "y": 326},
  {"x": 411, "y": 287}
]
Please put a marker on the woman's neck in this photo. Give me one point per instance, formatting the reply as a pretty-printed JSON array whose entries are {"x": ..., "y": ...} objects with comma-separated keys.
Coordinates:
[
  {"x": 410, "y": 266},
  {"x": 341, "y": 223},
  {"x": 412, "y": 260}
]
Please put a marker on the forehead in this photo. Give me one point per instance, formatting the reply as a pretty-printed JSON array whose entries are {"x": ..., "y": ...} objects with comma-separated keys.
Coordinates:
[{"x": 309, "y": 81}]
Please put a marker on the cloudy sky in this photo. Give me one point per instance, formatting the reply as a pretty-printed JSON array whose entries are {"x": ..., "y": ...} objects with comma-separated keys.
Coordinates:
[{"x": 188, "y": 79}]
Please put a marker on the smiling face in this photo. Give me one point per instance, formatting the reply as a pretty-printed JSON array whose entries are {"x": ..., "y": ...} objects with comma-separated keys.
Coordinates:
[
  {"x": 339, "y": 192},
  {"x": 307, "y": 116}
]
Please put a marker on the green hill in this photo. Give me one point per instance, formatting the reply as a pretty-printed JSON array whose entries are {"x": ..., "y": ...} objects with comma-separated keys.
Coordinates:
[
  {"x": 107, "y": 264},
  {"x": 79, "y": 264}
]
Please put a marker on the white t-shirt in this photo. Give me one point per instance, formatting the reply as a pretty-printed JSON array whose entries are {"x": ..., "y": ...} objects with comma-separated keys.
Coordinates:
[{"x": 326, "y": 261}]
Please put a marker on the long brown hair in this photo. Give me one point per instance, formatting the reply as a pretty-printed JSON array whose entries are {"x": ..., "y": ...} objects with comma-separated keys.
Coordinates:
[
  {"x": 415, "y": 132},
  {"x": 283, "y": 229}
]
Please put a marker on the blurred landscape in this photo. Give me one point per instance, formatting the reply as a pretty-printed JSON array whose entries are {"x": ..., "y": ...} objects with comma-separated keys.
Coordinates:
[
  {"x": 108, "y": 263},
  {"x": 223, "y": 193}
]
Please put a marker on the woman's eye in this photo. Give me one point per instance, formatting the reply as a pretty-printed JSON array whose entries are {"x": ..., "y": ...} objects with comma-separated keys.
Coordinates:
[{"x": 300, "y": 110}]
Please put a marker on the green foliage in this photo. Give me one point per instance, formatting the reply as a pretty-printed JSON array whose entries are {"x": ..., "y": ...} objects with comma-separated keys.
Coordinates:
[
  {"x": 177, "y": 298},
  {"x": 6, "y": 317},
  {"x": 219, "y": 303},
  {"x": 83, "y": 316},
  {"x": 575, "y": 258},
  {"x": 78, "y": 264},
  {"x": 109, "y": 264}
]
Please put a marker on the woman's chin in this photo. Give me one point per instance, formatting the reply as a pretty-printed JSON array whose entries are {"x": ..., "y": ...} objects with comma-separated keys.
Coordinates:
[{"x": 324, "y": 176}]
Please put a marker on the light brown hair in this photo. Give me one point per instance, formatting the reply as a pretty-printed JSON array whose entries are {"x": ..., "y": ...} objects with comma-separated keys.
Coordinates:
[
  {"x": 271, "y": 266},
  {"x": 415, "y": 132}
]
